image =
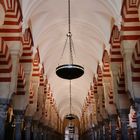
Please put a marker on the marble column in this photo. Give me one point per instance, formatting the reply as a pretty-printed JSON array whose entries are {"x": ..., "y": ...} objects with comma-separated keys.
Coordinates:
[
  {"x": 106, "y": 124},
  {"x": 19, "y": 114},
  {"x": 28, "y": 121},
  {"x": 44, "y": 133},
  {"x": 124, "y": 121},
  {"x": 101, "y": 130},
  {"x": 35, "y": 129},
  {"x": 40, "y": 132},
  {"x": 49, "y": 135},
  {"x": 113, "y": 120},
  {"x": 92, "y": 134},
  {"x": 56, "y": 136},
  {"x": 52, "y": 135},
  {"x": 89, "y": 135},
  {"x": 3, "y": 111},
  {"x": 60, "y": 136},
  {"x": 97, "y": 133}
]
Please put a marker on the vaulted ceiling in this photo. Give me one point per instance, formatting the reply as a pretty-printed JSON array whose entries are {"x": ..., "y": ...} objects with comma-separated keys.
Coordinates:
[{"x": 91, "y": 25}]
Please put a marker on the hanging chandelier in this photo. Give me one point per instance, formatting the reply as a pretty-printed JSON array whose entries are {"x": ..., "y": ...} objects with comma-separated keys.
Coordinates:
[
  {"x": 70, "y": 116},
  {"x": 69, "y": 71}
]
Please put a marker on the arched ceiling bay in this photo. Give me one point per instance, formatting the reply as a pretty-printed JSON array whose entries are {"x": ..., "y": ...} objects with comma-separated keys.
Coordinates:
[{"x": 90, "y": 26}]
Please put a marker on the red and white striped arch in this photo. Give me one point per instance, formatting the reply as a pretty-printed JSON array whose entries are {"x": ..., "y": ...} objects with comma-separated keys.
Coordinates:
[
  {"x": 12, "y": 28},
  {"x": 135, "y": 65},
  {"x": 115, "y": 53},
  {"x": 94, "y": 85},
  {"x": 121, "y": 80},
  {"x": 41, "y": 91},
  {"x": 41, "y": 77},
  {"x": 130, "y": 24},
  {"x": 100, "y": 76},
  {"x": 31, "y": 95},
  {"x": 107, "y": 75},
  {"x": 27, "y": 42},
  {"x": 36, "y": 62},
  {"x": 91, "y": 98},
  {"x": 21, "y": 83},
  {"x": 5, "y": 62},
  {"x": 100, "y": 91}
]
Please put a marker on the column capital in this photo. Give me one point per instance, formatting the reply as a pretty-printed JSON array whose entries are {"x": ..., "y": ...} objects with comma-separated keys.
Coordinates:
[
  {"x": 137, "y": 106},
  {"x": 115, "y": 68},
  {"x": 118, "y": 21},
  {"x": 19, "y": 115},
  {"x": 127, "y": 47},
  {"x": 24, "y": 25},
  {"x": 137, "y": 100},
  {"x": 3, "y": 111},
  {"x": 35, "y": 121},
  {"x": 28, "y": 118},
  {"x": 113, "y": 117},
  {"x": 45, "y": 127},
  {"x": 124, "y": 111},
  {"x": 19, "y": 112},
  {"x": 100, "y": 123},
  {"x": 106, "y": 121},
  {"x": 3, "y": 107},
  {"x": 28, "y": 121},
  {"x": 4, "y": 101},
  {"x": 15, "y": 48}
]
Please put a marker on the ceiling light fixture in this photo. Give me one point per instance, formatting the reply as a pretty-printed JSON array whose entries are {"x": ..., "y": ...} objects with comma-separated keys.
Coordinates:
[{"x": 69, "y": 71}]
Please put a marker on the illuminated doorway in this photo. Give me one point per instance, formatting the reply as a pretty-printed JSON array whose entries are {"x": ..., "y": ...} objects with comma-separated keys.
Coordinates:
[{"x": 71, "y": 132}]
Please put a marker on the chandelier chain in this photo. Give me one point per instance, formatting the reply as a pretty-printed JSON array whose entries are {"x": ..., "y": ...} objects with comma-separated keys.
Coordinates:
[
  {"x": 69, "y": 16},
  {"x": 70, "y": 97}
]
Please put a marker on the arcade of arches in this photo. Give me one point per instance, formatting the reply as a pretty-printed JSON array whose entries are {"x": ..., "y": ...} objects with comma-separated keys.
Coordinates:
[{"x": 105, "y": 100}]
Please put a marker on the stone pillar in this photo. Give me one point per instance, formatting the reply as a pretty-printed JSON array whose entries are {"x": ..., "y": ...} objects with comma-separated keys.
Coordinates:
[
  {"x": 92, "y": 134},
  {"x": 3, "y": 109},
  {"x": 40, "y": 132},
  {"x": 49, "y": 136},
  {"x": 88, "y": 135},
  {"x": 113, "y": 120},
  {"x": 56, "y": 137},
  {"x": 28, "y": 121},
  {"x": 18, "y": 121},
  {"x": 61, "y": 137},
  {"x": 53, "y": 135},
  {"x": 44, "y": 133},
  {"x": 101, "y": 130},
  {"x": 97, "y": 133},
  {"x": 138, "y": 120},
  {"x": 35, "y": 130},
  {"x": 106, "y": 124},
  {"x": 124, "y": 120}
]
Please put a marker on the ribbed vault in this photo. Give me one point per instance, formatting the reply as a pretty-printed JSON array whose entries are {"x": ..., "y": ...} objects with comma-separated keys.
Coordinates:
[{"x": 91, "y": 24}]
